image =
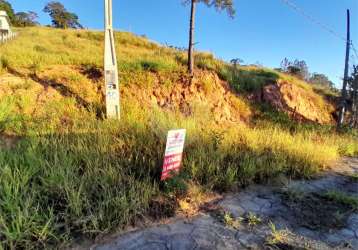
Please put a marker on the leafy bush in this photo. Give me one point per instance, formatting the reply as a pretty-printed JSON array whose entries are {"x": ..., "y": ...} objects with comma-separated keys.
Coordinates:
[
  {"x": 206, "y": 61},
  {"x": 247, "y": 80},
  {"x": 4, "y": 63}
]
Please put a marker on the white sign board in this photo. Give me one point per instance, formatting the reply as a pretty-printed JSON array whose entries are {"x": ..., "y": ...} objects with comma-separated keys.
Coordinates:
[{"x": 173, "y": 153}]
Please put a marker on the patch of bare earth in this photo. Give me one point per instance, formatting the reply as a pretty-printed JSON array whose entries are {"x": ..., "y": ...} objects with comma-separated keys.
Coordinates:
[
  {"x": 205, "y": 91},
  {"x": 205, "y": 94},
  {"x": 8, "y": 141},
  {"x": 298, "y": 102}
]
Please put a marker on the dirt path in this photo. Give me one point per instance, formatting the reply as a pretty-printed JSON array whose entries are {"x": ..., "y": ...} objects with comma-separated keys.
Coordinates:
[{"x": 316, "y": 214}]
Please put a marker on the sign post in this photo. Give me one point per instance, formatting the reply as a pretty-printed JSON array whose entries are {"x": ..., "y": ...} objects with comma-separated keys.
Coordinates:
[
  {"x": 173, "y": 153},
  {"x": 110, "y": 67}
]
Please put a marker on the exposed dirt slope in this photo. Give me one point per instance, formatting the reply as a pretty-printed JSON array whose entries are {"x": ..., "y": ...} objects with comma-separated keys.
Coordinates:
[
  {"x": 299, "y": 101},
  {"x": 205, "y": 93}
]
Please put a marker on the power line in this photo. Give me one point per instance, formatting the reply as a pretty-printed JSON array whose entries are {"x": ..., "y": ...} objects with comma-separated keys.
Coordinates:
[
  {"x": 325, "y": 27},
  {"x": 313, "y": 19}
]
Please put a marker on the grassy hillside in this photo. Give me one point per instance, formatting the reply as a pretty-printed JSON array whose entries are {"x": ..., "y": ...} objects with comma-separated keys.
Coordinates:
[{"x": 68, "y": 173}]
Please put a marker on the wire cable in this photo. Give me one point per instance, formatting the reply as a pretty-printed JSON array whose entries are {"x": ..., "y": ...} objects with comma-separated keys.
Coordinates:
[
  {"x": 323, "y": 26},
  {"x": 313, "y": 19}
]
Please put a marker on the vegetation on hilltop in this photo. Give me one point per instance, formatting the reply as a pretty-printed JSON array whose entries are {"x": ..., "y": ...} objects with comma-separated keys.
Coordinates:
[
  {"x": 20, "y": 19},
  {"x": 61, "y": 17},
  {"x": 68, "y": 173}
]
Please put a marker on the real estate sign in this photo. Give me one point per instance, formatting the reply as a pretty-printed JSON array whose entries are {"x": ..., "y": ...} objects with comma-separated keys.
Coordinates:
[{"x": 173, "y": 153}]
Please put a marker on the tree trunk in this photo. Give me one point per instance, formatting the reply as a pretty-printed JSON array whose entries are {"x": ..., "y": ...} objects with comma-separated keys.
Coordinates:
[{"x": 191, "y": 38}]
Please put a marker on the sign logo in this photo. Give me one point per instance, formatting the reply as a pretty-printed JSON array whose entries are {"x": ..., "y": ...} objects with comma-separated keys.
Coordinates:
[{"x": 173, "y": 153}]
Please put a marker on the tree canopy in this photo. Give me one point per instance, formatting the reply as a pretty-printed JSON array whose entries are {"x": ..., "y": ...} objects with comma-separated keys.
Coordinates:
[
  {"x": 21, "y": 19},
  {"x": 24, "y": 19},
  {"x": 6, "y": 6},
  {"x": 219, "y": 5},
  {"x": 60, "y": 17},
  {"x": 321, "y": 79},
  {"x": 236, "y": 61},
  {"x": 297, "y": 68}
]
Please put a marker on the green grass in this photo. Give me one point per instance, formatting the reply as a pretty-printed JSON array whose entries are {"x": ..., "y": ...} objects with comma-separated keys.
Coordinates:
[
  {"x": 354, "y": 177},
  {"x": 75, "y": 175},
  {"x": 241, "y": 78},
  {"x": 276, "y": 236},
  {"x": 329, "y": 93},
  {"x": 248, "y": 80},
  {"x": 78, "y": 47},
  {"x": 343, "y": 198}
]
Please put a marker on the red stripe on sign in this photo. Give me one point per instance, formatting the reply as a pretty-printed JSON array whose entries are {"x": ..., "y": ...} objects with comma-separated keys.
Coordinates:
[
  {"x": 172, "y": 169},
  {"x": 168, "y": 174},
  {"x": 171, "y": 165},
  {"x": 172, "y": 158}
]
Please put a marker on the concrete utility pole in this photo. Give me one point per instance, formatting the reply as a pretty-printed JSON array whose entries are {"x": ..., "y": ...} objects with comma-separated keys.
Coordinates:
[
  {"x": 343, "y": 102},
  {"x": 110, "y": 67}
]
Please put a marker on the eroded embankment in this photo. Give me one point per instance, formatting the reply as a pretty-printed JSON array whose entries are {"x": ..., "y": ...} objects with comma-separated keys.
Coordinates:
[{"x": 297, "y": 100}]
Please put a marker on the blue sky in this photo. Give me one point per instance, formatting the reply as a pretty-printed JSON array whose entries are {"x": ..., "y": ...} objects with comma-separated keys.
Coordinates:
[{"x": 263, "y": 31}]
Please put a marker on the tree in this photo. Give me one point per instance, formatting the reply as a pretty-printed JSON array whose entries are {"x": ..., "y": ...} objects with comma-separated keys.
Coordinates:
[
  {"x": 285, "y": 63},
  {"x": 219, "y": 5},
  {"x": 236, "y": 61},
  {"x": 21, "y": 19},
  {"x": 61, "y": 18},
  {"x": 303, "y": 69},
  {"x": 6, "y": 6},
  {"x": 321, "y": 79},
  {"x": 24, "y": 19},
  {"x": 297, "y": 68}
]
